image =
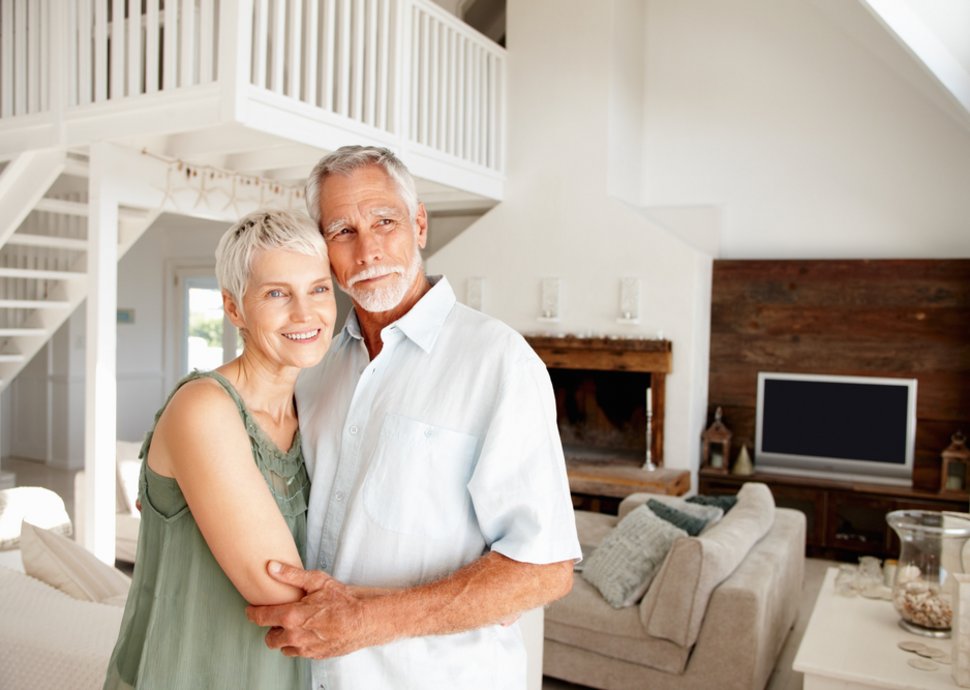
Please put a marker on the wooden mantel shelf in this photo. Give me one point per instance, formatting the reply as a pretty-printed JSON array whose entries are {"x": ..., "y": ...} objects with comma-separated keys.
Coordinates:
[{"x": 603, "y": 354}]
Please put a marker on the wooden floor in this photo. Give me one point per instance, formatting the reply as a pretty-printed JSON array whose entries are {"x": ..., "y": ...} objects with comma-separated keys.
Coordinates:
[{"x": 30, "y": 473}]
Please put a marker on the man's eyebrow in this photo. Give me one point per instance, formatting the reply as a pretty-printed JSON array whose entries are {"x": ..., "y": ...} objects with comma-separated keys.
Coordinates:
[
  {"x": 378, "y": 212},
  {"x": 333, "y": 226}
]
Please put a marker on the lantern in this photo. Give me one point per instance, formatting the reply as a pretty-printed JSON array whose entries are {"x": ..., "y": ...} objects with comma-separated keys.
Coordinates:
[
  {"x": 956, "y": 461},
  {"x": 716, "y": 446}
]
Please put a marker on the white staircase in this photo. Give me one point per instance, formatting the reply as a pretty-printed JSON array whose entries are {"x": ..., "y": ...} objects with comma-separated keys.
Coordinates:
[{"x": 43, "y": 250}]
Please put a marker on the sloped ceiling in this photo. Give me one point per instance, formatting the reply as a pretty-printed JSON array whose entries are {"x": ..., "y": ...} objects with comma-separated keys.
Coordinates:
[{"x": 935, "y": 34}]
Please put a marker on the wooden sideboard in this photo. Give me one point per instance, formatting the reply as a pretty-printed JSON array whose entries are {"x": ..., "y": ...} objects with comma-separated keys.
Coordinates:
[{"x": 845, "y": 519}]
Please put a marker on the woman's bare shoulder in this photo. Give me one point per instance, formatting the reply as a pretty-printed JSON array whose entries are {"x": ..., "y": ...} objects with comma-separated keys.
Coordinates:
[
  {"x": 204, "y": 396},
  {"x": 200, "y": 411}
]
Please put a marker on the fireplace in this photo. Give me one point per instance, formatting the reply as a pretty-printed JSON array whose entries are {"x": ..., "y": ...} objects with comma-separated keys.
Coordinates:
[{"x": 604, "y": 388}]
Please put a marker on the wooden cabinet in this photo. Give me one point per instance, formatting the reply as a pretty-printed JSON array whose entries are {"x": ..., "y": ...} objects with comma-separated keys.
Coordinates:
[{"x": 845, "y": 520}]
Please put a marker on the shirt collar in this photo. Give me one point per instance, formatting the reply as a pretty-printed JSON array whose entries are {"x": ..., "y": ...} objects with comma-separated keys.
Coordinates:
[{"x": 423, "y": 322}]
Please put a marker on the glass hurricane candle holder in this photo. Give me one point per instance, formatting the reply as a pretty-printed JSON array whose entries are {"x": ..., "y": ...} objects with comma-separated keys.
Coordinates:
[{"x": 931, "y": 546}]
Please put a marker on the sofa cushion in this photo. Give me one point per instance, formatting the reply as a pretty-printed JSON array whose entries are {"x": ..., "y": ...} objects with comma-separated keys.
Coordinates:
[
  {"x": 674, "y": 606},
  {"x": 709, "y": 514},
  {"x": 685, "y": 521},
  {"x": 583, "y": 619},
  {"x": 51, "y": 640},
  {"x": 725, "y": 502},
  {"x": 624, "y": 564},
  {"x": 36, "y": 505},
  {"x": 69, "y": 567},
  {"x": 593, "y": 528}
]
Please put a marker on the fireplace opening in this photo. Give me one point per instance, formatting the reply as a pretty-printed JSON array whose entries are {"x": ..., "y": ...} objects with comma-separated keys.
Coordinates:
[{"x": 602, "y": 415}]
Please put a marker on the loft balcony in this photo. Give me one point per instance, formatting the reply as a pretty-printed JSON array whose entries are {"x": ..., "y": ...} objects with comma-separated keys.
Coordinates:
[{"x": 260, "y": 87}]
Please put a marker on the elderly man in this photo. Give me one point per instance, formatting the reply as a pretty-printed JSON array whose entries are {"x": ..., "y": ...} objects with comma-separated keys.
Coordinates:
[{"x": 439, "y": 507}]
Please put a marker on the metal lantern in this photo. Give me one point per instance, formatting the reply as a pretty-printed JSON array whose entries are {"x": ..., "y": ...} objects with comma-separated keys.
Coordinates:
[
  {"x": 716, "y": 446},
  {"x": 956, "y": 461}
]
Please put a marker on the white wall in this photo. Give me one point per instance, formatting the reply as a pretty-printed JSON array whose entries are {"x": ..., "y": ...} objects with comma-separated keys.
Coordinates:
[
  {"x": 808, "y": 125},
  {"x": 559, "y": 220},
  {"x": 145, "y": 348}
]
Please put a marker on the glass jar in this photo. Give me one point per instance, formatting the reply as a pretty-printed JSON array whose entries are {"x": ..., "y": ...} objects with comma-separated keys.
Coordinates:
[{"x": 931, "y": 548}]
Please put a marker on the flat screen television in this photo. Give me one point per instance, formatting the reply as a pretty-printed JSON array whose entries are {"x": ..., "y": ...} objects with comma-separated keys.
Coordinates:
[{"x": 850, "y": 427}]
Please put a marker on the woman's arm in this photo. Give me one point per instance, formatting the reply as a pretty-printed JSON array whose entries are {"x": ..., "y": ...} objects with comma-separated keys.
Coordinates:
[{"x": 200, "y": 440}]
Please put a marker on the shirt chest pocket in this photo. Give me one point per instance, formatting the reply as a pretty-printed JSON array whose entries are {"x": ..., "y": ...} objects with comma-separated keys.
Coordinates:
[{"x": 417, "y": 483}]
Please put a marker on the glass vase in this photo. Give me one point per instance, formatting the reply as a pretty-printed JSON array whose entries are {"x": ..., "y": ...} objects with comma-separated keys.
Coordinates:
[{"x": 931, "y": 551}]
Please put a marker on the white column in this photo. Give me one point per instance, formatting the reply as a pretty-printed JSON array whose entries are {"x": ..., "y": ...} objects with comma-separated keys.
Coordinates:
[
  {"x": 235, "y": 57},
  {"x": 100, "y": 416}
]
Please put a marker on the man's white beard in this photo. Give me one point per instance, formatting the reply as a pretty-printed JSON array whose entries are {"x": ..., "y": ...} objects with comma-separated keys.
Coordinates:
[{"x": 390, "y": 293}]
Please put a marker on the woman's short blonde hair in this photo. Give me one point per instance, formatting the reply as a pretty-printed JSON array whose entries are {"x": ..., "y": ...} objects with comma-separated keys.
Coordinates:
[{"x": 263, "y": 229}]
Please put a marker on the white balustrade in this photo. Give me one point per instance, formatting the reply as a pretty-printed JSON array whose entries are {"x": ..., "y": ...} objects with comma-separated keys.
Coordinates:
[{"x": 404, "y": 67}]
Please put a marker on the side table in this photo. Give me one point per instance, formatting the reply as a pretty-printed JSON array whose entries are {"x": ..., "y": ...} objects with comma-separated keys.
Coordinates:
[{"x": 851, "y": 644}]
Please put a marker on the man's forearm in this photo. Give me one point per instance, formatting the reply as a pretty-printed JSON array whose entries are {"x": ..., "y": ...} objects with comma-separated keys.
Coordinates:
[
  {"x": 488, "y": 591},
  {"x": 334, "y": 619}
]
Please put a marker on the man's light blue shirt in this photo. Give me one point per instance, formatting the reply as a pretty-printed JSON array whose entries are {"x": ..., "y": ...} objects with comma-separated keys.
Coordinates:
[{"x": 442, "y": 448}]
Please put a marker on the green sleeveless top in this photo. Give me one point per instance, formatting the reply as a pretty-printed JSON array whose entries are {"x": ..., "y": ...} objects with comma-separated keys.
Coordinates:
[{"x": 185, "y": 623}]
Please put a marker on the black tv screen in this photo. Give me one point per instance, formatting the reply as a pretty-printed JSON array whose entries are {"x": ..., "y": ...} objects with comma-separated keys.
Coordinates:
[{"x": 821, "y": 425}]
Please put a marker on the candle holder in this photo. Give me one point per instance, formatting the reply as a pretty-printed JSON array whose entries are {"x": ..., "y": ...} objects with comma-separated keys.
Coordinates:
[{"x": 649, "y": 465}]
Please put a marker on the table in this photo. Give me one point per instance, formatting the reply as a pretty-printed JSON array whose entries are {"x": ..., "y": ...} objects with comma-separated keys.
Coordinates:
[{"x": 850, "y": 644}]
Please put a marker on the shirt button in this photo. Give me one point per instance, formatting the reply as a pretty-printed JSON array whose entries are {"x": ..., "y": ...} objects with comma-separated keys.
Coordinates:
[
  {"x": 427, "y": 432},
  {"x": 353, "y": 429},
  {"x": 339, "y": 495}
]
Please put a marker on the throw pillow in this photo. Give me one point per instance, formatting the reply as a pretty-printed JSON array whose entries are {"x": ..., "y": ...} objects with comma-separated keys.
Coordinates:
[
  {"x": 69, "y": 567},
  {"x": 624, "y": 564},
  {"x": 35, "y": 504},
  {"x": 725, "y": 503},
  {"x": 709, "y": 514},
  {"x": 689, "y": 523}
]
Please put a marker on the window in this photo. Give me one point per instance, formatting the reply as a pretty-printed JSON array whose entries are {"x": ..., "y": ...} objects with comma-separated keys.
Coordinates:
[
  {"x": 202, "y": 336},
  {"x": 209, "y": 339}
]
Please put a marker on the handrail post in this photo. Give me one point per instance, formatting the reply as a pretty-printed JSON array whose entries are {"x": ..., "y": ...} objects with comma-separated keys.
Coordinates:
[
  {"x": 57, "y": 76},
  {"x": 400, "y": 119},
  {"x": 235, "y": 57}
]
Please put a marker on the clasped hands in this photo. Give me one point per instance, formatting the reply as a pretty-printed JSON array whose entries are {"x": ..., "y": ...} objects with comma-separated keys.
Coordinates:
[{"x": 330, "y": 620}]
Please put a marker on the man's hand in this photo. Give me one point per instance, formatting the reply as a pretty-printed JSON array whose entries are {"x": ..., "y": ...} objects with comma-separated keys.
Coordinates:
[
  {"x": 334, "y": 619},
  {"x": 329, "y": 621}
]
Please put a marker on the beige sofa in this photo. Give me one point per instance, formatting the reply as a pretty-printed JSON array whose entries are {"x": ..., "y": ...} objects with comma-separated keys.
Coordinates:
[{"x": 715, "y": 616}]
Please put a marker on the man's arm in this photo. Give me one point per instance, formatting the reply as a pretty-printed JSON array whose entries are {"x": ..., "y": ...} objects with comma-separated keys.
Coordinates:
[{"x": 334, "y": 619}]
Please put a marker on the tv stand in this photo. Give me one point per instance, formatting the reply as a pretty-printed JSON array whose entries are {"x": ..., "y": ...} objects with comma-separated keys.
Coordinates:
[
  {"x": 845, "y": 519},
  {"x": 841, "y": 476}
]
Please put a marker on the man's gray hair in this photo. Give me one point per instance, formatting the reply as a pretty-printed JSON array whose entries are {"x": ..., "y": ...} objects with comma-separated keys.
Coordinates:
[
  {"x": 348, "y": 159},
  {"x": 263, "y": 229}
]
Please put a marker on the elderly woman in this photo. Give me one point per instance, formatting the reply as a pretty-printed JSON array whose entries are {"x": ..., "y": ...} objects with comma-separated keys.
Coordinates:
[{"x": 223, "y": 487}]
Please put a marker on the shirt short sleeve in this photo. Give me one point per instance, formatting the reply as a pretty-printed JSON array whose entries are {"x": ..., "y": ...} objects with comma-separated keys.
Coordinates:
[{"x": 519, "y": 487}]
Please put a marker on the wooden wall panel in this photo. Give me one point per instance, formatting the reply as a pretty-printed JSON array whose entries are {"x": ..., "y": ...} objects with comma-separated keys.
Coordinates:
[{"x": 901, "y": 318}]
